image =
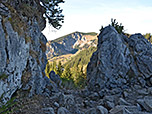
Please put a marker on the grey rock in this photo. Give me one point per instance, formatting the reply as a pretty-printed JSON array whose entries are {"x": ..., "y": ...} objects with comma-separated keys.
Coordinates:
[
  {"x": 119, "y": 62},
  {"x": 97, "y": 110},
  {"x": 142, "y": 53},
  {"x": 143, "y": 91},
  {"x": 85, "y": 92},
  {"x": 109, "y": 104},
  {"x": 146, "y": 103},
  {"x": 56, "y": 104},
  {"x": 123, "y": 102},
  {"x": 116, "y": 91},
  {"x": 123, "y": 109},
  {"x": 69, "y": 100},
  {"x": 94, "y": 96},
  {"x": 22, "y": 54},
  {"x": 86, "y": 103},
  {"x": 109, "y": 98},
  {"x": 56, "y": 78},
  {"x": 101, "y": 110},
  {"x": 125, "y": 93},
  {"x": 48, "y": 110},
  {"x": 101, "y": 102},
  {"x": 108, "y": 61},
  {"x": 133, "y": 109},
  {"x": 63, "y": 110},
  {"x": 91, "y": 111},
  {"x": 151, "y": 80},
  {"x": 101, "y": 93},
  {"x": 150, "y": 90},
  {"x": 14, "y": 60},
  {"x": 4, "y": 10},
  {"x": 119, "y": 110}
]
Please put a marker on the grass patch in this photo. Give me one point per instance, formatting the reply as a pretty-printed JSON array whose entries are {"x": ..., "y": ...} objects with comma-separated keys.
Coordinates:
[
  {"x": 43, "y": 46},
  {"x": 16, "y": 21},
  {"x": 27, "y": 39},
  {"x": 28, "y": 10},
  {"x": 3, "y": 76},
  {"x": 89, "y": 33},
  {"x": 68, "y": 84},
  {"x": 33, "y": 53},
  {"x": 8, "y": 107}
]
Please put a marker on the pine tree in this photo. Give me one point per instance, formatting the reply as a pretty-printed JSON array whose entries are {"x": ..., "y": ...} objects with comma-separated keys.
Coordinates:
[
  {"x": 67, "y": 73},
  {"x": 53, "y": 12},
  {"x": 79, "y": 77},
  {"x": 119, "y": 28},
  {"x": 54, "y": 66},
  {"x": 59, "y": 68},
  {"x": 47, "y": 69}
]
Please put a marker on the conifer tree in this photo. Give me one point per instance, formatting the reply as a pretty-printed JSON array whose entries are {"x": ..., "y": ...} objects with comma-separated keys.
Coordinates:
[
  {"x": 79, "y": 77},
  {"x": 47, "y": 69},
  {"x": 119, "y": 28},
  {"x": 59, "y": 68},
  {"x": 67, "y": 73},
  {"x": 54, "y": 67},
  {"x": 53, "y": 12}
]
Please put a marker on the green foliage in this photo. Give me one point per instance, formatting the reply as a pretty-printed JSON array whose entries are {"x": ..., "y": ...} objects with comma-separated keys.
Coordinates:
[
  {"x": 82, "y": 58},
  {"x": 89, "y": 33},
  {"x": 7, "y": 108},
  {"x": 77, "y": 69},
  {"x": 67, "y": 73},
  {"x": 79, "y": 77},
  {"x": 3, "y": 76},
  {"x": 74, "y": 73},
  {"x": 53, "y": 12},
  {"x": 148, "y": 37},
  {"x": 68, "y": 84},
  {"x": 54, "y": 67},
  {"x": 59, "y": 70},
  {"x": 118, "y": 27},
  {"x": 47, "y": 69},
  {"x": 26, "y": 8}
]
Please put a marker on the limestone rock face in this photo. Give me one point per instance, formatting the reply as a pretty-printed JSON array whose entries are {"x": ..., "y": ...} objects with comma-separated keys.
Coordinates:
[
  {"x": 120, "y": 61},
  {"x": 22, "y": 49}
]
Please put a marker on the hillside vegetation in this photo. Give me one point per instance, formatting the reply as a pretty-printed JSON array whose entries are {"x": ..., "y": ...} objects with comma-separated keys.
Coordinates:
[
  {"x": 70, "y": 44},
  {"x": 74, "y": 70}
]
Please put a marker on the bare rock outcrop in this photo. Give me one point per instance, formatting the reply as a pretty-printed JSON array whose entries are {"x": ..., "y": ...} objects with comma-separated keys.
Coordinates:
[
  {"x": 22, "y": 49},
  {"x": 120, "y": 62}
]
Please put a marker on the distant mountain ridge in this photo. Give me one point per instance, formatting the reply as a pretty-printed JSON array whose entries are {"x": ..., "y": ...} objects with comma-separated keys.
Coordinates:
[{"x": 70, "y": 44}]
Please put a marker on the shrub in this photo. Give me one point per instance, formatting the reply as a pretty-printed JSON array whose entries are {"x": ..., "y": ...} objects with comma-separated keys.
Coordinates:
[{"x": 119, "y": 28}]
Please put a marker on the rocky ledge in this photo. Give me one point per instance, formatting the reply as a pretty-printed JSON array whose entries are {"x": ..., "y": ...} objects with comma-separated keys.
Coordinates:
[
  {"x": 119, "y": 80},
  {"x": 22, "y": 49}
]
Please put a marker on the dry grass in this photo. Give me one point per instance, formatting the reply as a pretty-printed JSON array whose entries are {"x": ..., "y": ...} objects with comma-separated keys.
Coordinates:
[
  {"x": 43, "y": 46},
  {"x": 26, "y": 76}
]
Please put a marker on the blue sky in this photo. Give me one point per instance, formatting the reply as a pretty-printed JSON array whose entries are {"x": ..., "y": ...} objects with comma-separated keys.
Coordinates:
[{"x": 90, "y": 15}]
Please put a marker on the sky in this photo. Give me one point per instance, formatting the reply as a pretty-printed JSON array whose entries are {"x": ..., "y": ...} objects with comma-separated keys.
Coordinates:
[{"x": 90, "y": 15}]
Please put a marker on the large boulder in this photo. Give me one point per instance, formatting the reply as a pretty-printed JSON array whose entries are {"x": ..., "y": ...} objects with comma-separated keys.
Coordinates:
[
  {"x": 55, "y": 78},
  {"x": 22, "y": 49},
  {"x": 120, "y": 62}
]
